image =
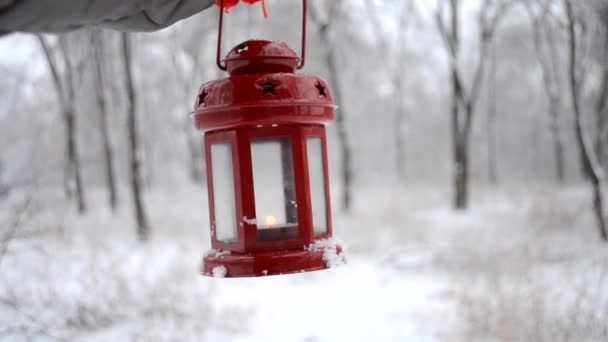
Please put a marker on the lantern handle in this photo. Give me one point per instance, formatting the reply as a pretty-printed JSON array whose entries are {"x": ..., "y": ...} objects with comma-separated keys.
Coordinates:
[{"x": 218, "y": 59}]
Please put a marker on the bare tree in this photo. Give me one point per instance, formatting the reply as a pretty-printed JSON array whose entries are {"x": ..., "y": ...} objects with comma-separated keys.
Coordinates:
[
  {"x": 325, "y": 26},
  {"x": 596, "y": 172},
  {"x": 463, "y": 100},
  {"x": 98, "y": 45},
  {"x": 64, "y": 87},
  {"x": 547, "y": 56},
  {"x": 395, "y": 70},
  {"x": 16, "y": 221},
  {"x": 4, "y": 188},
  {"x": 491, "y": 128},
  {"x": 186, "y": 78},
  {"x": 601, "y": 108},
  {"x": 143, "y": 228}
]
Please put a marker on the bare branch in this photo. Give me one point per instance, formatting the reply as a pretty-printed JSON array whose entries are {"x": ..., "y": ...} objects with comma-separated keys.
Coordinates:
[
  {"x": 135, "y": 162},
  {"x": 376, "y": 25},
  {"x": 54, "y": 68},
  {"x": 543, "y": 58},
  {"x": 592, "y": 164},
  {"x": 596, "y": 170},
  {"x": 313, "y": 12},
  {"x": 65, "y": 51},
  {"x": 445, "y": 35},
  {"x": 16, "y": 222},
  {"x": 333, "y": 11},
  {"x": 602, "y": 102},
  {"x": 487, "y": 30}
]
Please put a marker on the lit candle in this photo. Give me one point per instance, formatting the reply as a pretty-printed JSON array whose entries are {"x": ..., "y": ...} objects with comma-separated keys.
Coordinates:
[{"x": 270, "y": 221}]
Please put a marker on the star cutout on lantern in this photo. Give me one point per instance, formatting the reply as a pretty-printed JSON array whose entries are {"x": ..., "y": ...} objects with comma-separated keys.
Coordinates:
[
  {"x": 202, "y": 96},
  {"x": 321, "y": 88},
  {"x": 268, "y": 87}
]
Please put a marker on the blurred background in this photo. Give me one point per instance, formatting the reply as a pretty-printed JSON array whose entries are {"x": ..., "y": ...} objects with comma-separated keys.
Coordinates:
[{"x": 467, "y": 166}]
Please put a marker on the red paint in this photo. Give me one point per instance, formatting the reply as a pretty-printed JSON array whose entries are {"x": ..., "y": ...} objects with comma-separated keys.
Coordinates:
[
  {"x": 267, "y": 263},
  {"x": 228, "y": 4},
  {"x": 264, "y": 98}
]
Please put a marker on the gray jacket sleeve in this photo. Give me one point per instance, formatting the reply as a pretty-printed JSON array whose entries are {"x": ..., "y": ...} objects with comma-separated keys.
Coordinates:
[{"x": 124, "y": 15}]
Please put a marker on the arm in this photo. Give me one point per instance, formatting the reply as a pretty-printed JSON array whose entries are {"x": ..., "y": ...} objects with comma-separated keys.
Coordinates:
[{"x": 124, "y": 15}]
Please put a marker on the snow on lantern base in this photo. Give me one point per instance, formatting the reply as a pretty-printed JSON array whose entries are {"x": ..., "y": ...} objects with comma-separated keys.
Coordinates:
[{"x": 320, "y": 255}]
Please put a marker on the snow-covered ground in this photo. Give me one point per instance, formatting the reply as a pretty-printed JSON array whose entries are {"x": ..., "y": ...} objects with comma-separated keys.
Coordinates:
[{"x": 523, "y": 264}]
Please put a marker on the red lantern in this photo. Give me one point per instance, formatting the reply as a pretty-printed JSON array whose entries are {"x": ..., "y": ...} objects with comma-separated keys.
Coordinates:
[{"x": 266, "y": 155}]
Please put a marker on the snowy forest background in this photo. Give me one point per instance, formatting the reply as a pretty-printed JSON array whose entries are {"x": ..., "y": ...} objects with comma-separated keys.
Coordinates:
[{"x": 467, "y": 163}]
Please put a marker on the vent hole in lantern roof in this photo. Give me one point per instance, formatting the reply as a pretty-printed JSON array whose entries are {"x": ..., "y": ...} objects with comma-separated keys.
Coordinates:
[
  {"x": 202, "y": 97},
  {"x": 321, "y": 89}
]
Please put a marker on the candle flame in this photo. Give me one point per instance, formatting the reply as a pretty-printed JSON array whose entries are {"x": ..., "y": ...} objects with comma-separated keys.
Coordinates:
[{"x": 270, "y": 220}]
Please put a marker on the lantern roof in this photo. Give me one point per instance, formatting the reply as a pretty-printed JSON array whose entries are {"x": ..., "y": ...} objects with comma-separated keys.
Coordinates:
[
  {"x": 261, "y": 56},
  {"x": 263, "y": 89}
]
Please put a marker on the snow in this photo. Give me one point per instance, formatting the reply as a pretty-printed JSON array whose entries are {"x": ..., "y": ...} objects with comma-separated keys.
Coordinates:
[
  {"x": 330, "y": 254},
  {"x": 216, "y": 253},
  {"x": 356, "y": 303},
  {"x": 219, "y": 272},
  {"x": 515, "y": 262},
  {"x": 250, "y": 221},
  {"x": 332, "y": 258}
]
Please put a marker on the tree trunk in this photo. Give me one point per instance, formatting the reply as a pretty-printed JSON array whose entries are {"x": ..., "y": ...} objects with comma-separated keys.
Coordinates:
[
  {"x": 546, "y": 54},
  {"x": 65, "y": 97},
  {"x": 462, "y": 110},
  {"x": 459, "y": 144},
  {"x": 70, "y": 124},
  {"x": 143, "y": 229},
  {"x": 4, "y": 187},
  {"x": 396, "y": 78},
  {"x": 400, "y": 113},
  {"x": 491, "y": 122},
  {"x": 108, "y": 155},
  {"x": 195, "y": 148},
  {"x": 591, "y": 164},
  {"x": 585, "y": 169},
  {"x": 461, "y": 176},
  {"x": 345, "y": 149},
  {"x": 555, "y": 107},
  {"x": 463, "y": 101},
  {"x": 331, "y": 62},
  {"x": 602, "y": 111},
  {"x": 602, "y": 138},
  {"x": 73, "y": 160},
  {"x": 558, "y": 146},
  {"x": 194, "y": 144}
]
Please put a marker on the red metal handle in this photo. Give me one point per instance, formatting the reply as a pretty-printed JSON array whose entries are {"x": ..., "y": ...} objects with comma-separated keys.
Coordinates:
[{"x": 218, "y": 59}]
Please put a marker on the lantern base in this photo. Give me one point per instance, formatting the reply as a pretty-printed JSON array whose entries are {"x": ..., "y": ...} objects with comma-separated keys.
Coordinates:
[{"x": 226, "y": 264}]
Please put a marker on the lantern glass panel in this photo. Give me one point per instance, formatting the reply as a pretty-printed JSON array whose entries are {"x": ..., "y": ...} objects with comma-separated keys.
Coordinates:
[
  {"x": 275, "y": 193},
  {"x": 317, "y": 185},
  {"x": 223, "y": 192}
]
